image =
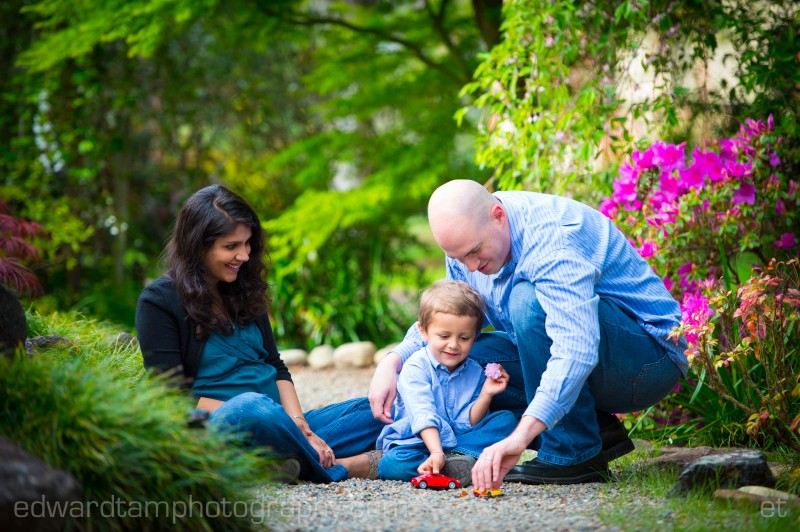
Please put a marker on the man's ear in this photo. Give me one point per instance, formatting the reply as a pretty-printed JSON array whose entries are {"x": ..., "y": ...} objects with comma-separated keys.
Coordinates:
[{"x": 498, "y": 213}]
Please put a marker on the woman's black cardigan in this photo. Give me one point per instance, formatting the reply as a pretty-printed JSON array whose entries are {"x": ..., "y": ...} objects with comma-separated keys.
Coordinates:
[{"x": 167, "y": 339}]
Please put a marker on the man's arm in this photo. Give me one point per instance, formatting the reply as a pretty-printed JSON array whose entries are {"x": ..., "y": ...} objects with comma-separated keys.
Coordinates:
[{"x": 383, "y": 388}]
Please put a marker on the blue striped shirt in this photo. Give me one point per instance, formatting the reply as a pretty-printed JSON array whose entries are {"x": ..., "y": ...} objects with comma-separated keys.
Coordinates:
[
  {"x": 574, "y": 255},
  {"x": 429, "y": 395}
]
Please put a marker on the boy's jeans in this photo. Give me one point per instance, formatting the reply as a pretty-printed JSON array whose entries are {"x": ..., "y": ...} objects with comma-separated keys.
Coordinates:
[{"x": 633, "y": 373}]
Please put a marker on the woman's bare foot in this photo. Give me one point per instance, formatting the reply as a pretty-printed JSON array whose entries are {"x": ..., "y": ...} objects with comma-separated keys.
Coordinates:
[{"x": 364, "y": 465}]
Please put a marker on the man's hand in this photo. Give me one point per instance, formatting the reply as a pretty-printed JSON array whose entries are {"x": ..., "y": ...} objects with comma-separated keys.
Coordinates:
[
  {"x": 383, "y": 388},
  {"x": 497, "y": 460}
]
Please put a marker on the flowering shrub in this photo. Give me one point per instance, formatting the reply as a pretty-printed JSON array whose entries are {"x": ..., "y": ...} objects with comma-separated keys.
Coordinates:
[
  {"x": 747, "y": 350},
  {"x": 702, "y": 222}
]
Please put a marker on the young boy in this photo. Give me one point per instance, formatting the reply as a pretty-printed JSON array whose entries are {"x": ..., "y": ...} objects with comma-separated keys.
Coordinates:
[{"x": 443, "y": 397}]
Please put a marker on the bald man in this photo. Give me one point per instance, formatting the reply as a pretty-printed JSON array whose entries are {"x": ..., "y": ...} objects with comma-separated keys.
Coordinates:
[{"x": 582, "y": 325}]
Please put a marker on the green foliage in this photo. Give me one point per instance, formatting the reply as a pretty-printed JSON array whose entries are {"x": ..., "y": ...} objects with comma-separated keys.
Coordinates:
[
  {"x": 88, "y": 410},
  {"x": 290, "y": 106},
  {"x": 547, "y": 96},
  {"x": 566, "y": 89}
]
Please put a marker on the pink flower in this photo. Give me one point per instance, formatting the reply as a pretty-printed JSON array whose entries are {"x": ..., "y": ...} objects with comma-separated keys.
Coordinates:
[
  {"x": 492, "y": 371},
  {"x": 707, "y": 163},
  {"x": 668, "y": 283},
  {"x": 694, "y": 308},
  {"x": 643, "y": 160},
  {"x": 609, "y": 207},
  {"x": 648, "y": 249},
  {"x": 668, "y": 156},
  {"x": 787, "y": 241},
  {"x": 774, "y": 160},
  {"x": 780, "y": 208},
  {"x": 739, "y": 170},
  {"x": 728, "y": 150},
  {"x": 746, "y": 193}
]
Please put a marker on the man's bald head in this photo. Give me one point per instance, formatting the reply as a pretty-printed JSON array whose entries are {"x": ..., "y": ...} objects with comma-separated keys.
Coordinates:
[
  {"x": 470, "y": 225},
  {"x": 459, "y": 202}
]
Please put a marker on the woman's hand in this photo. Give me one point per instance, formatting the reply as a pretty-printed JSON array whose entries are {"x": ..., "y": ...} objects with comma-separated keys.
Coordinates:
[
  {"x": 433, "y": 464},
  {"x": 326, "y": 456}
]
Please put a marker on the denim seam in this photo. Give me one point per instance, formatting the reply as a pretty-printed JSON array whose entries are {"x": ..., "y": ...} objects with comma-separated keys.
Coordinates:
[{"x": 560, "y": 460}]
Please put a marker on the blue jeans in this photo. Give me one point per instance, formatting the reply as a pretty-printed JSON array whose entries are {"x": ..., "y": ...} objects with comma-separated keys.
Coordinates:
[
  {"x": 401, "y": 462},
  {"x": 348, "y": 428},
  {"x": 633, "y": 373}
]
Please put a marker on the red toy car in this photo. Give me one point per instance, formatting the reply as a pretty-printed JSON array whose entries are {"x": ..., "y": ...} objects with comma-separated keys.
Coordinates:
[{"x": 435, "y": 480}]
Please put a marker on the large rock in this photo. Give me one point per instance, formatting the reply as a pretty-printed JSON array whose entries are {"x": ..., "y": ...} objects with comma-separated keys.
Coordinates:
[
  {"x": 354, "y": 355},
  {"x": 13, "y": 328},
  {"x": 321, "y": 357},
  {"x": 29, "y": 488},
  {"x": 33, "y": 345},
  {"x": 122, "y": 340},
  {"x": 380, "y": 354},
  {"x": 729, "y": 470},
  {"x": 676, "y": 458},
  {"x": 294, "y": 357}
]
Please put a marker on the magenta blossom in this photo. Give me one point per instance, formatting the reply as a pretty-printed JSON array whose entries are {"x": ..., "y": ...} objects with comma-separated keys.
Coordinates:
[
  {"x": 787, "y": 241},
  {"x": 609, "y": 207},
  {"x": 668, "y": 156},
  {"x": 648, "y": 249},
  {"x": 746, "y": 193},
  {"x": 774, "y": 160},
  {"x": 643, "y": 160}
]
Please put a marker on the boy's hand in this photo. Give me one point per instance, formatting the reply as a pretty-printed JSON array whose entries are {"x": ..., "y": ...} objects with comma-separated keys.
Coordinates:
[
  {"x": 433, "y": 464},
  {"x": 493, "y": 387}
]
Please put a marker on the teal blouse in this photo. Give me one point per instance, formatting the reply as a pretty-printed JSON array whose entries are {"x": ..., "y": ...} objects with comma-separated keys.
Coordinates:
[{"x": 232, "y": 365}]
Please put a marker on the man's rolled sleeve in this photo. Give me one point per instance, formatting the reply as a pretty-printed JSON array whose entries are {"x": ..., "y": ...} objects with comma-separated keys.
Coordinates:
[{"x": 410, "y": 344}]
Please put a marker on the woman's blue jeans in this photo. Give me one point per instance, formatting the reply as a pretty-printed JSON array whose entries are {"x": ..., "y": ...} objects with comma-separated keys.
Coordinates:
[
  {"x": 401, "y": 462},
  {"x": 633, "y": 373},
  {"x": 348, "y": 428}
]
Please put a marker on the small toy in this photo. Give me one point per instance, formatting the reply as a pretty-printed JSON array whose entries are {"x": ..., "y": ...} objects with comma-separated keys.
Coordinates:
[
  {"x": 435, "y": 480},
  {"x": 488, "y": 493},
  {"x": 492, "y": 371}
]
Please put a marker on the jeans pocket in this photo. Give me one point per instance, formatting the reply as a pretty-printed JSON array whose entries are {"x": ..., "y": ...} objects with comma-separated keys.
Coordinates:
[{"x": 654, "y": 382}]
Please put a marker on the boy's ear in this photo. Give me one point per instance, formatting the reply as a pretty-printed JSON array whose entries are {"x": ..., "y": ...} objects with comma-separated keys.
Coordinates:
[{"x": 422, "y": 331}]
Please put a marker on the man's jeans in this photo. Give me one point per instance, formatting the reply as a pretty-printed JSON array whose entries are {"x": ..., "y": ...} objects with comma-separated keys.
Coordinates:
[
  {"x": 633, "y": 373},
  {"x": 348, "y": 428}
]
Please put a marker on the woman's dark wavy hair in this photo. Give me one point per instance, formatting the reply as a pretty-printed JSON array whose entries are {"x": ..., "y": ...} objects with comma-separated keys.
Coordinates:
[{"x": 208, "y": 214}]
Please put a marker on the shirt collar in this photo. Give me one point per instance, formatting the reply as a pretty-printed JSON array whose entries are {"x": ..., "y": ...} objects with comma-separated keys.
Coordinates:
[{"x": 441, "y": 367}]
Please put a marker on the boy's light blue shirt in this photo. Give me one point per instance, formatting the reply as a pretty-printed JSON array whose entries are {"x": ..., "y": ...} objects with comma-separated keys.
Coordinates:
[
  {"x": 430, "y": 396},
  {"x": 572, "y": 254}
]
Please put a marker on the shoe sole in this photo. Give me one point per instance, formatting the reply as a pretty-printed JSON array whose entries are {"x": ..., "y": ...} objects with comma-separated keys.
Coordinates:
[
  {"x": 619, "y": 450},
  {"x": 594, "y": 476},
  {"x": 459, "y": 467}
]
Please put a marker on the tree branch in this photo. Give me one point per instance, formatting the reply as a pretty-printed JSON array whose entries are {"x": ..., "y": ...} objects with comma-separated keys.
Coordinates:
[
  {"x": 438, "y": 25},
  {"x": 302, "y": 19}
]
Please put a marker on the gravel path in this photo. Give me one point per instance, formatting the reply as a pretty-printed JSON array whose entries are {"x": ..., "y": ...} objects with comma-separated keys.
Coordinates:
[{"x": 357, "y": 504}]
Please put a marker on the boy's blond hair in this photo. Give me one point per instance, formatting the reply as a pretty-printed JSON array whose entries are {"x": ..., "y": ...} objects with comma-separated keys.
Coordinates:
[{"x": 451, "y": 297}]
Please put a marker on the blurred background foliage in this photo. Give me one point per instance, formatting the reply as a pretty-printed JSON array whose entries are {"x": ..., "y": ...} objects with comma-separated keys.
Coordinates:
[{"x": 336, "y": 120}]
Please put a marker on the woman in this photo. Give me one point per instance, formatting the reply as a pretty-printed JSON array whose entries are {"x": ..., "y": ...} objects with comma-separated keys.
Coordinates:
[{"x": 206, "y": 318}]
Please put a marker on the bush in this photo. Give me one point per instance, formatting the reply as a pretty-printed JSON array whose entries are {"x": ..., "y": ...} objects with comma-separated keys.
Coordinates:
[
  {"x": 124, "y": 438},
  {"x": 702, "y": 223}
]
